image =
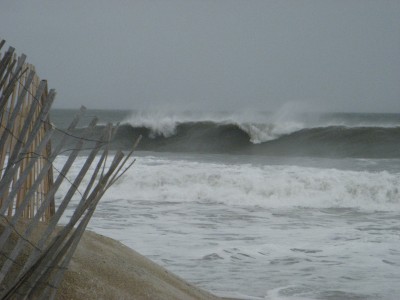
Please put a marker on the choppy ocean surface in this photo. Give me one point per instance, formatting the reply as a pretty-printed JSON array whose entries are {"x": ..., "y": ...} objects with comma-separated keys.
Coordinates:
[{"x": 260, "y": 206}]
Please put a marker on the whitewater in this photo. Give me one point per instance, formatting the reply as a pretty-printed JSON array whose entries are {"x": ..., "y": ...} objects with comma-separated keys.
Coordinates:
[{"x": 260, "y": 226}]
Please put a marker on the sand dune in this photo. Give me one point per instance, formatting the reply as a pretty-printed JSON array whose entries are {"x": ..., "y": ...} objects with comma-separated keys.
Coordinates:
[{"x": 103, "y": 268}]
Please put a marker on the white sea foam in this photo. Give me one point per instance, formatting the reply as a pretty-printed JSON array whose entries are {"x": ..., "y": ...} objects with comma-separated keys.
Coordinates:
[
  {"x": 161, "y": 179},
  {"x": 279, "y": 232},
  {"x": 267, "y": 186}
]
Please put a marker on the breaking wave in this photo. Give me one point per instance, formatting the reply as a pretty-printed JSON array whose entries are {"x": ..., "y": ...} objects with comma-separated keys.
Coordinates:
[
  {"x": 336, "y": 136},
  {"x": 208, "y": 137}
]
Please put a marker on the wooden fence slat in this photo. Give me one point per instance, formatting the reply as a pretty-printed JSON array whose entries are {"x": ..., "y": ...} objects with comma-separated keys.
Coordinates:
[
  {"x": 11, "y": 121},
  {"x": 8, "y": 73},
  {"x": 14, "y": 78},
  {"x": 6, "y": 60}
]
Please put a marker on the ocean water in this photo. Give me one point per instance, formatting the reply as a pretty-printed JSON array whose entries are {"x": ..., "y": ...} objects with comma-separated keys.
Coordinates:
[{"x": 259, "y": 206}]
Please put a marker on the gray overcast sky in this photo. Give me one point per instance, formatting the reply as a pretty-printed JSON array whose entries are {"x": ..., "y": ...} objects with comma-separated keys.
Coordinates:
[{"x": 340, "y": 55}]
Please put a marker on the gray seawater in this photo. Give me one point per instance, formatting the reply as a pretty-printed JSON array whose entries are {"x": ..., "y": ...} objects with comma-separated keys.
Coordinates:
[{"x": 261, "y": 226}]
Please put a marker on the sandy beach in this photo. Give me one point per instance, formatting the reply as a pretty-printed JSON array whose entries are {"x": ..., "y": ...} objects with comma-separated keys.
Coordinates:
[{"x": 103, "y": 268}]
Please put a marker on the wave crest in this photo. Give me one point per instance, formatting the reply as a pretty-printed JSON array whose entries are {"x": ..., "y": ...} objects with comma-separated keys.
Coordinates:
[
  {"x": 259, "y": 131},
  {"x": 258, "y": 136}
]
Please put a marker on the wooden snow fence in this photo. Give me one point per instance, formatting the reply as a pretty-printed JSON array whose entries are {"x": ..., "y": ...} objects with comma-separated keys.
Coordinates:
[
  {"x": 23, "y": 96},
  {"x": 35, "y": 250}
]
